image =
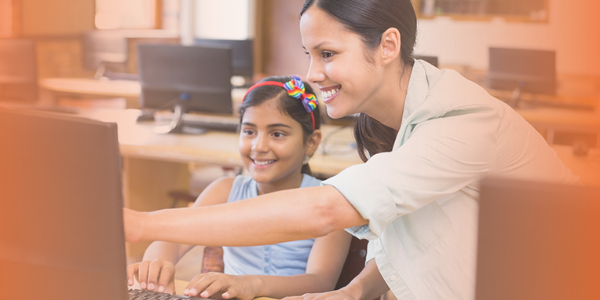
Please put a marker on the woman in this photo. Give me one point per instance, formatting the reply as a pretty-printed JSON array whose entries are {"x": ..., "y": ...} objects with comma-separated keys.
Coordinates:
[{"x": 427, "y": 136}]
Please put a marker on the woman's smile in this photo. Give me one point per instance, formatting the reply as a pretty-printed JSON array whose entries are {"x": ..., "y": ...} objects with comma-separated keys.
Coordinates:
[{"x": 329, "y": 93}]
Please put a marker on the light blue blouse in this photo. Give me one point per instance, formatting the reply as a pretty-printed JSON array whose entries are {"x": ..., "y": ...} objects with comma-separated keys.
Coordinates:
[
  {"x": 281, "y": 259},
  {"x": 421, "y": 198}
]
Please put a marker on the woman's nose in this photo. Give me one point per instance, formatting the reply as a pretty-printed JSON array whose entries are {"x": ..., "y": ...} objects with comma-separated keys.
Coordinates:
[{"x": 315, "y": 73}]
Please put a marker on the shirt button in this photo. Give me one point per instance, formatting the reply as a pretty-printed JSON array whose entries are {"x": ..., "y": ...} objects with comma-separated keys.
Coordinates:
[{"x": 393, "y": 278}]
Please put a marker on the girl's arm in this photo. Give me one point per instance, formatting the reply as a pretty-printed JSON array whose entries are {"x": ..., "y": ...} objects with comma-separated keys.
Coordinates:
[
  {"x": 157, "y": 269},
  {"x": 325, "y": 263},
  {"x": 272, "y": 218}
]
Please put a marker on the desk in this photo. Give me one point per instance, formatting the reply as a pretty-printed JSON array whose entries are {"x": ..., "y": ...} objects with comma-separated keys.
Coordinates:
[
  {"x": 52, "y": 88},
  {"x": 552, "y": 120}
]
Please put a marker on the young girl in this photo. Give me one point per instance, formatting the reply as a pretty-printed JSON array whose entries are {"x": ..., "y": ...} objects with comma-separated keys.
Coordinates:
[{"x": 279, "y": 131}]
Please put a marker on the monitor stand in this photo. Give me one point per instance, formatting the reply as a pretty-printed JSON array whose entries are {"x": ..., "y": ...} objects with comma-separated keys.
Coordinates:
[
  {"x": 516, "y": 95},
  {"x": 176, "y": 125}
]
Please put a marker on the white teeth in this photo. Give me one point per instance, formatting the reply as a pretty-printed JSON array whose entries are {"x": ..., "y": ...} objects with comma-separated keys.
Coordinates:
[
  {"x": 264, "y": 162},
  {"x": 329, "y": 93}
]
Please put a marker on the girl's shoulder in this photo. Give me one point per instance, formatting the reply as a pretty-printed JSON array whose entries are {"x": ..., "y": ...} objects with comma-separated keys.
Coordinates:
[{"x": 308, "y": 181}]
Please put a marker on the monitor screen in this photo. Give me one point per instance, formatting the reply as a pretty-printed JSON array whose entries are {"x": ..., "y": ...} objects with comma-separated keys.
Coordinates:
[
  {"x": 529, "y": 70},
  {"x": 18, "y": 74},
  {"x": 196, "y": 77},
  {"x": 241, "y": 54},
  {"x": 104, "y": 48},
  {"x": 433, "y": 60}
]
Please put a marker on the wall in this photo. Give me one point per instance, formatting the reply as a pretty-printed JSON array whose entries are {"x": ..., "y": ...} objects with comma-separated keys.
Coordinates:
[
  {"x": 282, "y": 46},
  {"x": 56, "y": 17},
  {"x": 573, "y": 31},
  {"x": 6, "y": 18}
]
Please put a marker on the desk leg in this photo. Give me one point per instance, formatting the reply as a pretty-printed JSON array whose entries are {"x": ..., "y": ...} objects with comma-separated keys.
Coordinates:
[{"x": 146, "y": 184}]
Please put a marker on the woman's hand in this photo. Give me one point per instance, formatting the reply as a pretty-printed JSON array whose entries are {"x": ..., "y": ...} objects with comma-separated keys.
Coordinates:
[
  {"x": 223, "y": 286},
  {"x": 333, "y": 295},
  {"x": 154, "y": 275}
]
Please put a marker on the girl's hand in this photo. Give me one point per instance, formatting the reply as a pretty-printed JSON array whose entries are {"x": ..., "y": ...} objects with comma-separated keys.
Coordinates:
[
  {"x": 333, "y": 295},
  {"x": 154, "y": 275},
  {"x": 223, "y": 286}
]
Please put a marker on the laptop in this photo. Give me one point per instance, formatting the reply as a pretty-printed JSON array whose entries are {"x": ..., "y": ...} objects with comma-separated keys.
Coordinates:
[
  {"x": 538, "y": 241},
  {"x": 61, "y": 224}
]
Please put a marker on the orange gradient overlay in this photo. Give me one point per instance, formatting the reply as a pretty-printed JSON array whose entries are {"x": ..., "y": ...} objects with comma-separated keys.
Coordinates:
[{"x": 42, "y": 39}]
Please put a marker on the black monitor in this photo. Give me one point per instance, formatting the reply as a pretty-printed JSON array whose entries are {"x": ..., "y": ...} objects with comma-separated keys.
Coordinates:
[
  {"x": 522, "y": 70},
  {"x": 241, "y": 55},
  {"x": 433, "y": 60},
  {"x": 185, "y": 78},
  {"x": 18, "y": 74},
  {"x": 105, "y": 52}
]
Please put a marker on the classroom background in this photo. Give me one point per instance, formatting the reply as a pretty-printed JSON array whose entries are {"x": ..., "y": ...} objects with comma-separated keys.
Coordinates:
[{"x": 69, "y": 69}]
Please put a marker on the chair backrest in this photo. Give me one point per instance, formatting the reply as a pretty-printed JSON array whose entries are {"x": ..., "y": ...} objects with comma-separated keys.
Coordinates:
[{"x": 355, "y": 262}]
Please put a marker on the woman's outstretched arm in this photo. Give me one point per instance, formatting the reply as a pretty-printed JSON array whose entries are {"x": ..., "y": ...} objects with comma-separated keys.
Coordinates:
[{"x": 276, "y": 217}]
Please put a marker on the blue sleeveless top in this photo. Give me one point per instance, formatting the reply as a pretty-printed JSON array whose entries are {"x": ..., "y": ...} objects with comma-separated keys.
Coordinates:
[{"x": 283, "y": 259}]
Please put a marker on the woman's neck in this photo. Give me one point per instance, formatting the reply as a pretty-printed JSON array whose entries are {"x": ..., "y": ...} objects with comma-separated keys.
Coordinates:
[
  {"x": 289, "y": 182},
  {"x": 389, "y": 105}
]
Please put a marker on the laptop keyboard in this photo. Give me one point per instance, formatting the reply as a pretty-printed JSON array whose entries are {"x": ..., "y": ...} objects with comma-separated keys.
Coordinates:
[{"x": 135, "y": 294}]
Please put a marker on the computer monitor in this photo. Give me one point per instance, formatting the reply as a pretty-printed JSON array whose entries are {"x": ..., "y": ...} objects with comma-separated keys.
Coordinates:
[
  {"x": 104, "y": 51},
  {"x": 433, "y": 60},
  {"x": 522, "y": 70},
  {"x": 537, "y": 240},
  {"x": 61, "y": 223},
  {"x": 18, "y": 73},
  {"x": 185, "y": 78},
  {"x": 242, "y": 57}
]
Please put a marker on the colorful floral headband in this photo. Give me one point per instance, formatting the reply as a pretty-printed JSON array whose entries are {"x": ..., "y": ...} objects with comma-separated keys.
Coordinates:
[{"x": 295, "y": 88}]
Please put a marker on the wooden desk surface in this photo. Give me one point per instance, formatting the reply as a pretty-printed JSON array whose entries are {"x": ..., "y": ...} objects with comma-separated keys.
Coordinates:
[
  {"x": 138, "y": 140},
  {"x": 88, "y": 86}
]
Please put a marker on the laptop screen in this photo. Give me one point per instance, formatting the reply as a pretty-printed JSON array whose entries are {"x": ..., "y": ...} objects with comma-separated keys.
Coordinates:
[
  {"x": 61, "y": 226},
  {"x": 538, "y": 241}
]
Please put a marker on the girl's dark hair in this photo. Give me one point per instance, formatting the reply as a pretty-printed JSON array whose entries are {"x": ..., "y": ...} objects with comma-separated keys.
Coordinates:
[
  {"x": 370, "y": 19},
  {"x": 287, "y": 105}
]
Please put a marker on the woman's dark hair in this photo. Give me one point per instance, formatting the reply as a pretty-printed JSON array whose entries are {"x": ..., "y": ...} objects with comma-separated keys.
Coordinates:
[
  {"x": 370, "y": 19},
  {"x": 287, "y": 105}
]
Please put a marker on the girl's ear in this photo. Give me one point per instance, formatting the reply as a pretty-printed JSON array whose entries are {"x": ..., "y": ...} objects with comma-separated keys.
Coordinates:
[
  {"x": 312, "y": 143},
  {"x": 390, "y": 45}
]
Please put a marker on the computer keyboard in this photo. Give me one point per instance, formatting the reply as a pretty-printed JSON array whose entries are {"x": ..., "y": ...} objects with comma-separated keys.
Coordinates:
[
  {"x": 136, "y": 294},
  {"x": 211, "y": 122}
]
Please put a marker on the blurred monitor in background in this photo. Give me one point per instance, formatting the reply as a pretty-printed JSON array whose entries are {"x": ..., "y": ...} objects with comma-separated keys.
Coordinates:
[
  {"x": 242, "y": 57},
  {"x": 185, "y": 79},
  {"x": 18, "y": 73},
  {"x": 433, "y": 60},
  {"x": 522, "y": 70},
  {"x": 105, "y": 52}
]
